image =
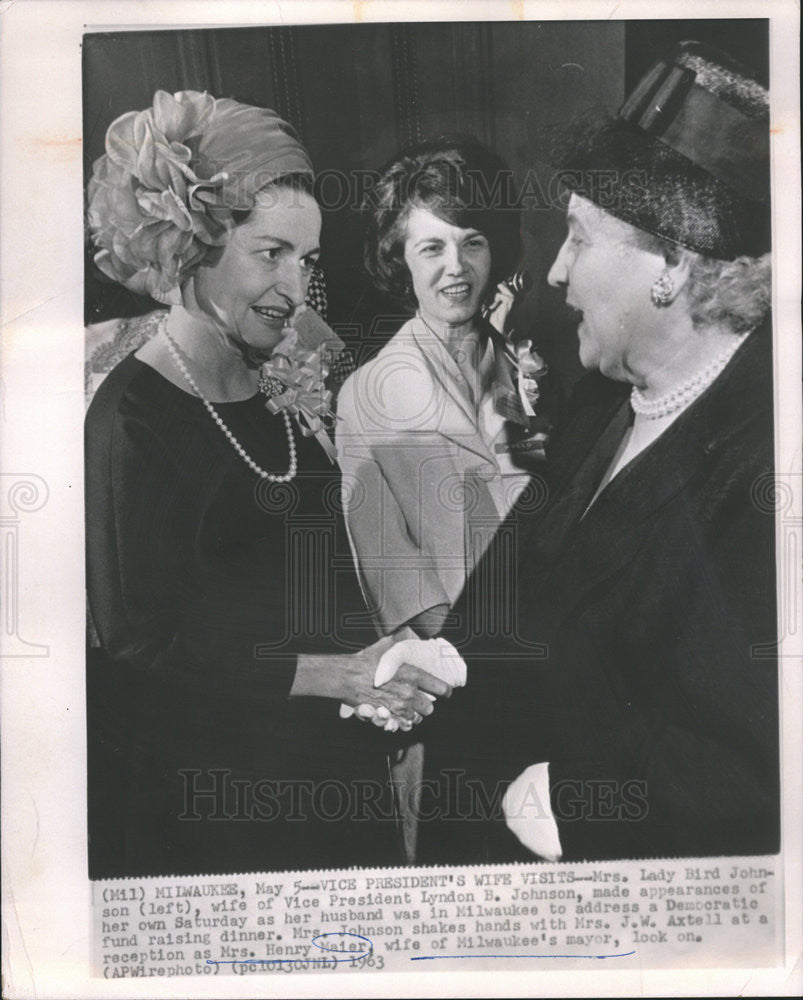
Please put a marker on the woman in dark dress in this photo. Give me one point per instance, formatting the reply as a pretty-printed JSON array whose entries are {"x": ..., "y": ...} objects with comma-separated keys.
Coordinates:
[
  {"x": 632, "y": 709},
  {"x": 220, "y": 583}
]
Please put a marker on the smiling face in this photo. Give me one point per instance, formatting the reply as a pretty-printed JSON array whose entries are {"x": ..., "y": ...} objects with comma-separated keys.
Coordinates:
[
  {"x": 607, "y": 280},
  {"x": 450, "y": 268},
  {"x": 264, "y": 269}
]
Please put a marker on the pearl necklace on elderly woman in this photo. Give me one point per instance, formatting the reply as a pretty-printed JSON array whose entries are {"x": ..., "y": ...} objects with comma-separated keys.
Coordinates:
[
  {"x": 685, "y": 394},
  {"x": 271, "y": 476}
]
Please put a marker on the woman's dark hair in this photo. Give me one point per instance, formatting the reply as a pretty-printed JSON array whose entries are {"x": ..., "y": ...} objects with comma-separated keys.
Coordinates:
[{"x": 456, "y": 178}]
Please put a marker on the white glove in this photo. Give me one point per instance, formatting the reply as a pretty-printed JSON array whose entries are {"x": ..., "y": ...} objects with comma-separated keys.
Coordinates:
[{"x": 437, "y": 656}]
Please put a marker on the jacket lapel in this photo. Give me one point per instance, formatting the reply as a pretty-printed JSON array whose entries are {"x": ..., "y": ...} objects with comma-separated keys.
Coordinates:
[
  {"x": 576, "y": 461},
  {"x": 458, "y": 418},
  {"x": 724, "y": 410},
  {"x": 613, "y": 531},
  {"x": 579, "y": 451}
]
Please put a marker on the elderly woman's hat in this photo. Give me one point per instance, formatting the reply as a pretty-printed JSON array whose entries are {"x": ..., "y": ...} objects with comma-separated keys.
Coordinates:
[{"x": 686, "y": 158}]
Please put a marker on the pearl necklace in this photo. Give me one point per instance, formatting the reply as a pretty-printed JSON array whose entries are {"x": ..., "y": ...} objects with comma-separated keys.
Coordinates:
[
  {"x": 685, "y": 394},
  {"x": 271, "y": 476}
]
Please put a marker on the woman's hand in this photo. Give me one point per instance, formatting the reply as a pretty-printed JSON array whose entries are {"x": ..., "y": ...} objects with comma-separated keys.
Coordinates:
[{"x": 350, "y": 680}]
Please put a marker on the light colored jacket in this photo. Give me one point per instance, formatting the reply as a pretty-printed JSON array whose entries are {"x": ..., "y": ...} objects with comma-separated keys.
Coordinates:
[{"x": 424, "y": 488}]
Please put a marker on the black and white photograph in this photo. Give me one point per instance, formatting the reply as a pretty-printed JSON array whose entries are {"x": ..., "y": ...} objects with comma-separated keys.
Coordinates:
[
  {"x": 433, "y": 540},
  {"x": 581, "y": 514}
]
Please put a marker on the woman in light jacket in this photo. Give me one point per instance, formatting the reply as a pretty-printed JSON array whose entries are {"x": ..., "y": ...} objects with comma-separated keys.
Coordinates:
[{"x": 433, "y": 437}]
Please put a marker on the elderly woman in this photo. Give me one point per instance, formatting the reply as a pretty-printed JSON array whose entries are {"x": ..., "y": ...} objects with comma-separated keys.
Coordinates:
[
  {"x": 647, "y": 726},
  {"x": 426, "y": 428},
  {"x": 220, "y": 582}
]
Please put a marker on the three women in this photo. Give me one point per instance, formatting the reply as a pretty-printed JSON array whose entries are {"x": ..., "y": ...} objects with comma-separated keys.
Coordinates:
[{"x": 645, "y": 582}]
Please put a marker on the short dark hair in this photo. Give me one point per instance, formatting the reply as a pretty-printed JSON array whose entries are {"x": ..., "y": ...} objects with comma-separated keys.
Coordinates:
[{"x": 456, "y": 178}]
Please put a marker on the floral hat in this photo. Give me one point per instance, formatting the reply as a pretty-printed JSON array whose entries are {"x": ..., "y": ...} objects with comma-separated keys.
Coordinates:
[{"x": 164, "y": 190}]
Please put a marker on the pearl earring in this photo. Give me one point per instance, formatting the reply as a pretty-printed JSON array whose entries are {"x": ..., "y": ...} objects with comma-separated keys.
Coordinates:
[{"x": 663, "y": 289}]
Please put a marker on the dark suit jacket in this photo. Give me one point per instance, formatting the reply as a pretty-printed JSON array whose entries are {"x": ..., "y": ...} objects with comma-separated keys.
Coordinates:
[{"x": 653, "y": 692}]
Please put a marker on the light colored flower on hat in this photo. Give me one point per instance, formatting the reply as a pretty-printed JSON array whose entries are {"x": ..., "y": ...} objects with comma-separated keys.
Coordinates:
[{"x": 148, "y": 211}]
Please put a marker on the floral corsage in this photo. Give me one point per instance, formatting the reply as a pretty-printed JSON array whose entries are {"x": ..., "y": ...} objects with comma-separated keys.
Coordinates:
[{"x": 294, "y": 379}]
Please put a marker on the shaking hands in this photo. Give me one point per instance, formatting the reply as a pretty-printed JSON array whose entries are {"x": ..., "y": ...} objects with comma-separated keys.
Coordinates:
[
  {"x": 409, "y": 670},
  {"x": 394, "y": 682}
]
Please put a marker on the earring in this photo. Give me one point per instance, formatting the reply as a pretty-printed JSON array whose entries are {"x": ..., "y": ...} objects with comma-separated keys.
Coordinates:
[{"x": 663, "y": 289}]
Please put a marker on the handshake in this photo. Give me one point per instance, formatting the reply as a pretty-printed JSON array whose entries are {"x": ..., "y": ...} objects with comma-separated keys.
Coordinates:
[{"x": 409, "y": 675}]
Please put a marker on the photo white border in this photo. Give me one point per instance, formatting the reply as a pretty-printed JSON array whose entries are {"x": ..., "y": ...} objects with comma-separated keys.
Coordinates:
[{"x": 46, "y": 932}]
